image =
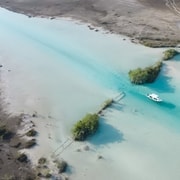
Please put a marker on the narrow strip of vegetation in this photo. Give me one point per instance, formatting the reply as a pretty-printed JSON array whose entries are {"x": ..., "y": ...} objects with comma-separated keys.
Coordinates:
[
  {"x": 31, "y": 133},
  {"x": 42, "y": 160},
  {"x": 146, "y": 75},
  {"x": 62, "y": 166},
  {"x": 85, "y": 127},
  {"x": 105, "y": 105},
  {"x": 158, "y": 42},
  {"x": 169, "y": 54}
]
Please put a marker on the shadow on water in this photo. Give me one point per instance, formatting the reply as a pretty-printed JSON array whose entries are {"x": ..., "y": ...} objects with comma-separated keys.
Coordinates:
[
  {"x": 106, "y": 134},
  {"x": 177, "y": 58},
  {"x": 163, "y": 85},
  {"x": 163, "y": 104},
  {"x": 117, "y": 106},
  {"x": 163, "y": 82},
  {"x": 167, "y": 104}
]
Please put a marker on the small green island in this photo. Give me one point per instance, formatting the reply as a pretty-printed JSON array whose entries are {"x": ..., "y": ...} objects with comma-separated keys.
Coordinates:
[
  {"x": 146, "y": 75},
  {"x": 169, "y": 54},
  {"x": 149, "y": 74},
  {"x": 85, "y": 127}
]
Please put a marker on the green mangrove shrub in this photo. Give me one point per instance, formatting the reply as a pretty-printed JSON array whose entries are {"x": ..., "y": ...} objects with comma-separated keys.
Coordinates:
[
  {"x": 146, "y": 75},
  {"x": 107, "y": 103},
  {"x": 22, "y": 157},
  {"x": 169, "y": 54},
  {"x": 31, "y": 133},
  {"x": 85, "y": 127},
  {"x": 31, "y": 143},
  {"x": 62, "y": 166}
]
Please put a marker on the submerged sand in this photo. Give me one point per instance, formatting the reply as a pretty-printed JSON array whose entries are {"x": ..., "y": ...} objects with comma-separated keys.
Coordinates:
[{"x": 153, "y": 23}]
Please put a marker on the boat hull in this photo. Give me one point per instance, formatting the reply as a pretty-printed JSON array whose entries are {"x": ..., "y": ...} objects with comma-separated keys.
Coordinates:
[{"x": 154, "y": 97}]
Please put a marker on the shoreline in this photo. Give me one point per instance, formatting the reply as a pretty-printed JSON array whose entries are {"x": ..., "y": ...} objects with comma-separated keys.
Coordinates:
[{"x": 140, "y": 20}]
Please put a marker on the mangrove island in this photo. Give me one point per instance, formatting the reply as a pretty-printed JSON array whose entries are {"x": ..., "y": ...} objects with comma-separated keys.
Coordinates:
[
  {"x": 146, "y": 75},
  {"x": 85, "y": 127},
  {"x": 169, "y": 54}
]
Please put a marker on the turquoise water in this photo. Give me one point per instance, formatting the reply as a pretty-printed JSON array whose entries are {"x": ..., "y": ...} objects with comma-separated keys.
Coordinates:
[{"x": 89, "y": 57}]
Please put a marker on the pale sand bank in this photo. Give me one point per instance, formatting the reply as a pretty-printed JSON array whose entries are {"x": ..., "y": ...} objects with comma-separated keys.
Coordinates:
[{"x": 154, "y": 23}]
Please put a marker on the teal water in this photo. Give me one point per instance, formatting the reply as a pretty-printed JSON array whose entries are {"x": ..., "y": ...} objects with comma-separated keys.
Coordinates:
[{"x": 89, "y": 57}]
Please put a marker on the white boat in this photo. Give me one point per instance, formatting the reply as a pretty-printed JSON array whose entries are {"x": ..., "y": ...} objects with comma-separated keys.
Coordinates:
[{"x": 154, "y": 97}]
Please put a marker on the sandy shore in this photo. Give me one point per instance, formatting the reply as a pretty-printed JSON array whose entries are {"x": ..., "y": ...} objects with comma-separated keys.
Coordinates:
[
  {"x": 10, "y": 145},
  {"x": 153, "y": 23}
]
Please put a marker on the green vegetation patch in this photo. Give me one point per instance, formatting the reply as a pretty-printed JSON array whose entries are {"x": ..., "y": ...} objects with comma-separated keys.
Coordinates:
[
  {"x": 31, "y": 133},
  {"x": 62, "y": 166},
  {"x": 42, "y": 160},
  {"x": 48, "y": 175},
  {"x": 107, "y": 103},
  {"x": 85, "y": 127},
  {"x": 158, "y": 42},
  {"x": 146, "y": 75},
  {"x": 169, "y": 54},
  {"x": 43, "y": 173},
  {"x": 31, "y": 143},
  {"x": 22, "y": 158}
]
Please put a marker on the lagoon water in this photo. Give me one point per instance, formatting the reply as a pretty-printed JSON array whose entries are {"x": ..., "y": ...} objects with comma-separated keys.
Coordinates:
[{"x": 62, "y": 70}]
